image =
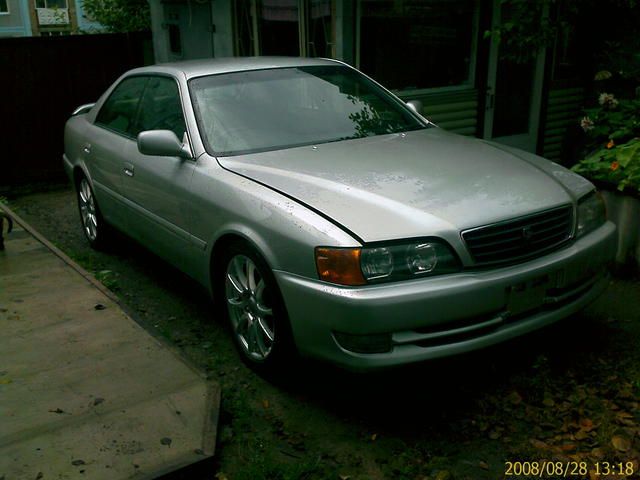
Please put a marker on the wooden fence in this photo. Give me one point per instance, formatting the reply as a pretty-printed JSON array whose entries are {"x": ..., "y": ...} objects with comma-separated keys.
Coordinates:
[{"x": 42, "y": 80}]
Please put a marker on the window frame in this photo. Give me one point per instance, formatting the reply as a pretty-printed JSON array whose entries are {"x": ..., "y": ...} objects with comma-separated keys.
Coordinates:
[
  {"x": 214, "y": 153},
  {"x": 144, "y": 91},
  {"x": 8, "y": 10},
  {"x": 48, "y": 7},
  {"x": 473, "y": 60},
  {"x": 148, "y": 77}
]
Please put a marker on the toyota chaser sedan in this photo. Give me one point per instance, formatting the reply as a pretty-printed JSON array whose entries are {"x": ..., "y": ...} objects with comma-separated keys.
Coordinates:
[{"x": 330, "y": 219}]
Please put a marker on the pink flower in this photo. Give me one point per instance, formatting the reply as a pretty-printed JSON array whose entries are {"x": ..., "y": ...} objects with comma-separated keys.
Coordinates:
[{"x": 586, "y": 123}]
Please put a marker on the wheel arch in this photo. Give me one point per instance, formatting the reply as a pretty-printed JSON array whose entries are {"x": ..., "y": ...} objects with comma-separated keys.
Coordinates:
[
  {"x": 233, "y": 234},
  {"x": 78, "y": 173}
]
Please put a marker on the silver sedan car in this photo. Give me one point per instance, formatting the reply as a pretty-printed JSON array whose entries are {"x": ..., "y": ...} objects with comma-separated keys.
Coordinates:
[{"x": 331, "y": 219}]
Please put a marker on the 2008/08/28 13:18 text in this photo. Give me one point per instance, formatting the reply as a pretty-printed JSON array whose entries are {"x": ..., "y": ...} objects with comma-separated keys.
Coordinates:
[{"x": 557, "y": 469}]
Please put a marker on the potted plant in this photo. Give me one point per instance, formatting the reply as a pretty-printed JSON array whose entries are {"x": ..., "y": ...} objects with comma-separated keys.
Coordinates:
[{"x": 613, "y": 129}]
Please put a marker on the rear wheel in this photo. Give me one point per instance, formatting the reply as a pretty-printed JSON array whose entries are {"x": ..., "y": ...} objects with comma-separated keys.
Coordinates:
[
  {"x": 255, "y": 310},
  {"x": 93, "y": 225}
]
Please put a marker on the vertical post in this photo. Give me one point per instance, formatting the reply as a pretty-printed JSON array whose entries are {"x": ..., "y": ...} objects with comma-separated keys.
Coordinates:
[{"x": 254, "y": 24}]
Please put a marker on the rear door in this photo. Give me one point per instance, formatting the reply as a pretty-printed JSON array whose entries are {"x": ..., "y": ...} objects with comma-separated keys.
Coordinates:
[{"x": 104, "y": 149}]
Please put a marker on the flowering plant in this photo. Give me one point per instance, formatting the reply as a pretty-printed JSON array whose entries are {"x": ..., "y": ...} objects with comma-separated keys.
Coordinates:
[{"x": 613, "y": 128}]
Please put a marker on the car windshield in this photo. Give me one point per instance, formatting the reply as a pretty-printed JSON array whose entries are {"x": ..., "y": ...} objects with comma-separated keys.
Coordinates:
[{"x": 260, "y": 110}]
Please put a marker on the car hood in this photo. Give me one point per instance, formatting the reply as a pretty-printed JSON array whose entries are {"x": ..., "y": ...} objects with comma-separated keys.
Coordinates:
[{"x": 422, "y": 183}]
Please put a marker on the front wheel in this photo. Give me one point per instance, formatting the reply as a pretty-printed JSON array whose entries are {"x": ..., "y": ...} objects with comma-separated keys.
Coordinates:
[{"x": 255, "y": 309}]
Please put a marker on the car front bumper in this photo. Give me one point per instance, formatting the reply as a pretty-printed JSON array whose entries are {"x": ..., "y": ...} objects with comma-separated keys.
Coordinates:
[{"x": 449, "y": 314}]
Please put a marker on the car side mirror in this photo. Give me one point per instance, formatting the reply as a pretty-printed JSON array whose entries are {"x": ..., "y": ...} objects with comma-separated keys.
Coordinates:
[
  {"x": 416, "y": 106},
  {"x": 162, "y": 143}
]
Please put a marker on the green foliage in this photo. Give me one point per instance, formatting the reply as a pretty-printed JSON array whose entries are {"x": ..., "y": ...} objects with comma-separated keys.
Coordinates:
[
  {"x": 524, "y": 32},
  {"x": 614, "y": 131},
  {"x": 119, "y": 15}
]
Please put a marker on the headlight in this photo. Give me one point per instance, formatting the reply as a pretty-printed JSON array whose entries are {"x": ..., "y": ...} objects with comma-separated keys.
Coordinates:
[
  {"x": 591, "y": 213},
  {"x": 389, "y": 262}
]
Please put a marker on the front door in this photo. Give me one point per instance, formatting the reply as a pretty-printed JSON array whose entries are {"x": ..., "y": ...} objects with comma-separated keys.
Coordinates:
[
  {"x": 514, "y": 92},
  {"x": 158, "y": 187}
]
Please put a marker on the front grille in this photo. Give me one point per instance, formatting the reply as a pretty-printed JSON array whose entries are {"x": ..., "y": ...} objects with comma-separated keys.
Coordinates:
[{"x": 520, "y": 238}]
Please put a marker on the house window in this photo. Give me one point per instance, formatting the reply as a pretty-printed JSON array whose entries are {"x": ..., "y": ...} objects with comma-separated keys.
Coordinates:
[
  {"x": 417, "y": 44},
  {"x": 319, "y": 29},
  {"x": 284, "y": 27},
  {"x": 4, "y": 7},
  {"x": 51, "y": 4}
]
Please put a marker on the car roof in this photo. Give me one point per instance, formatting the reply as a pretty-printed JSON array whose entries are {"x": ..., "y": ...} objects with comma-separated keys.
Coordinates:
[{"x": 212, "y": 66}]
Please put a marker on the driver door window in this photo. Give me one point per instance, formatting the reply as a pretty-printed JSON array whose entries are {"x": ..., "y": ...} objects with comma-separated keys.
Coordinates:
[{"x": 160, "y": 108}]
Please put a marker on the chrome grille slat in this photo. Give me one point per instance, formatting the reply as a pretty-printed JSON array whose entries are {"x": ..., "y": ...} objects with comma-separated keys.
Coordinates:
[
  {"x": 520, "y": 238},
  {"x": 515, "y": 228}
]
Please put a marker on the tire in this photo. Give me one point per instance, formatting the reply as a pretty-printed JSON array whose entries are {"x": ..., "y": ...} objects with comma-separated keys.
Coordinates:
[
  {"x": 252, "y": 304},
  {"x": 94, "y": 227}
]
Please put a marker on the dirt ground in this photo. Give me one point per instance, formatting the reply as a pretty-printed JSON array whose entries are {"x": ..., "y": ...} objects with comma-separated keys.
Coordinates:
[{"x": 569, "y": 393}]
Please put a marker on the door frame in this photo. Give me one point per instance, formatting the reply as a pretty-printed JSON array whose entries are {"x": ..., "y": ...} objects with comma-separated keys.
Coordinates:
[{"x": 526, "y": 141}]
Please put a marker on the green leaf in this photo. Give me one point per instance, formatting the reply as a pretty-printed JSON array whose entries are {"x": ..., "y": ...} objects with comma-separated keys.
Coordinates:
[{"x": 627, "y": 153}]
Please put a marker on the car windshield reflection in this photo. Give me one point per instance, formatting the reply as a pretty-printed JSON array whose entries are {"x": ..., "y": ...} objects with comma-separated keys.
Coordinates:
[{"x": 253, "y": 111}]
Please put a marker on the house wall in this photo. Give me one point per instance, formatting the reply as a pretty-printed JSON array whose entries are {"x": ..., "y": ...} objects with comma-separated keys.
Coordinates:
[
  {"x": 16, "y": 23},
  {"x": 190, "y": 27},
  {"x": 207, "y": 29},
  {"x": 22, "y": 20},
  {"x": 563, "y": 107},
  {"x": 455, "y": 111}
]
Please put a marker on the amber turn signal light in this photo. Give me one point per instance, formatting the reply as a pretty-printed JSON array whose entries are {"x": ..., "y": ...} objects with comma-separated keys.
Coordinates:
[{"x": 339, "y": 265}]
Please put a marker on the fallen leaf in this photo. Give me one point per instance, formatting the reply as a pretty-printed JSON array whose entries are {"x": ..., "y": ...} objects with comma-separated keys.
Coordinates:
[
  {"x": 495, "y": 434},
  {"x": 221, "y": 476},
  {"x": 483, "y": 465},
  {"x": 539, "y": 444},
  {"x": 443, "y": 475},
  {"x": 373, "y": 437},
  {"x": 515, "y": 398},
  {"x": 344, "y": 477},
  {"x": 626, "y": 394},
  {"x": 620, "y": 443},
  {"x": 548, "y": 402},
  {"x": 586, "y": 424},
  {"x": 265, "y": 403},
  {"x": 598, "y": 453},
  {"x": 581, "y": 435}
]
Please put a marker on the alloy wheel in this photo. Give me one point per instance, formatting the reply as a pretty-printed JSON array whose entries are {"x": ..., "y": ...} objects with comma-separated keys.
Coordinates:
[
  {"x": 249, "y": 308},
  {"x": 88, "y": 210}
]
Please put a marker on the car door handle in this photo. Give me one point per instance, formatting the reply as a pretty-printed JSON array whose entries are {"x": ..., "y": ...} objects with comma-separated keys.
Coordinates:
[
  {"x": 128, "y": 170},
  {"x": 87, "y": 148}
]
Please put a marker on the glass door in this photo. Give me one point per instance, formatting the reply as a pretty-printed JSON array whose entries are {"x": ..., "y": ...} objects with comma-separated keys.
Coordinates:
[{"x": 514, "y": 92}]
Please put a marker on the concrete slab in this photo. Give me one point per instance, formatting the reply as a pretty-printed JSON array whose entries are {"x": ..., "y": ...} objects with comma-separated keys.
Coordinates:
[{"x": 85, "y": 392}]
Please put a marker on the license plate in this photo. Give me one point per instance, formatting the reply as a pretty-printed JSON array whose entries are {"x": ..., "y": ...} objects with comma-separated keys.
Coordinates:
[{"x": 527, "y": 296}]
